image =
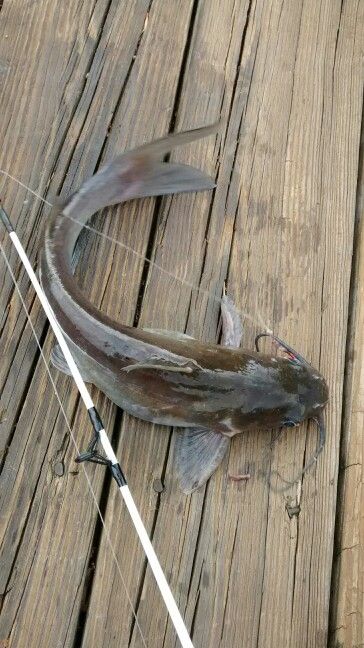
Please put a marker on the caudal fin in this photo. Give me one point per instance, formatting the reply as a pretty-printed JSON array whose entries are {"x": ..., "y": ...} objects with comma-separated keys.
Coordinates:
[
  {"x": 165, "y": 178},
  {"x": 165, "y": 144},
  {"x": 139, "y": 173}
]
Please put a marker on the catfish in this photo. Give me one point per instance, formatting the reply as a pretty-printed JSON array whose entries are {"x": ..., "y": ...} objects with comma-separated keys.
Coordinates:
[{"x": 210, "y": 391}]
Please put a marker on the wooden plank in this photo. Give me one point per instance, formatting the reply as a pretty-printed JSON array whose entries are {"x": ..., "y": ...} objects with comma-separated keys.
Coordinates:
[
  {"x": 30, "y": 147},
  {"x": 233, "y": 543},
  {"x": 28, "y": 533},
  {"x": 209, "y": 84},
  {"x": 281, "y": 72},
  {"x": 40, "y": 573},
  {"x": 313, "y": 210},
  {"x": 347, "y": 627},
  {"x": 46, "y": 157}
]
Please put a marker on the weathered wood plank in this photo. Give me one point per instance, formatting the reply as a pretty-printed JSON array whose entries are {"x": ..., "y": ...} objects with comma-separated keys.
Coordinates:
[
  {"x": 312, "y": 239},
  {"x": 30, "y": 147},
  {"x": 279, "y": 227},
  {"x": 208, "y": 88},
  {"x": 45, "y": 159},
  {"x": 114, "y": 73},
  {"x": 291, "y": 131},
  {"x": 347, "y": 628},
  {"x": 102, "y": 95}
]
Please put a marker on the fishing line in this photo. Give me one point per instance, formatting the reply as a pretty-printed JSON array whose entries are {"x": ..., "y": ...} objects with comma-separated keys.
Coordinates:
[
  {"x": 127, "y": 496},
  {"x": 93, "y": 494},
  {"x": 257, "y": 319},
  {"x": 123, "y": 487},
  {"x": 100, "y": 436}
]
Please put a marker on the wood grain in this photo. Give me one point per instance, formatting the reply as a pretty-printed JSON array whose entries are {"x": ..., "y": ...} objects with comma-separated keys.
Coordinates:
[
  {"x": 249, "y": 566},
  {"x": 347, "y": 627}
]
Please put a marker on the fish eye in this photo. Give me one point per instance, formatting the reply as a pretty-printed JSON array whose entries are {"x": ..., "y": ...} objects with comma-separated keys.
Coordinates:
[{"x": 287, "y": 422}]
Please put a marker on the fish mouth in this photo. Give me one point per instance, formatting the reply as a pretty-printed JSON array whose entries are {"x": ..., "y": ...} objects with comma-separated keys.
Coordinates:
[{"x": 324, "y": 394}]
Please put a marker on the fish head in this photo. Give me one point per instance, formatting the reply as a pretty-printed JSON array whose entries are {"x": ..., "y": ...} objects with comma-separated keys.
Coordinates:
[
  {"x": 315, "y": 393},
  {"x": 312, "y": 397},
  {"x": 310, "y": 390}
]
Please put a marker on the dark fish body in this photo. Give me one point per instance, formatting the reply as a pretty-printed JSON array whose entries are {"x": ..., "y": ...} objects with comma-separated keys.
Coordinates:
[{"x": 170, "y": 379}]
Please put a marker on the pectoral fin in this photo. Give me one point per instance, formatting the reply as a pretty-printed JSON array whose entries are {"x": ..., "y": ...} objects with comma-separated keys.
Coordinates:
[
  {"x": 199, "y": 451},
  {"x": 158, "y": 367}
]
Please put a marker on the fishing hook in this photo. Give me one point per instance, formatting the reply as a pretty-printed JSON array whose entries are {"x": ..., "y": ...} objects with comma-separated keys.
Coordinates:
[{"x": 288, "y": 349}]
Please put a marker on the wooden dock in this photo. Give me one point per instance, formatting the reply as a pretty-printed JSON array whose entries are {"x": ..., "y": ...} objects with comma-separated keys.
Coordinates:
[{"x": 250, "y": 566}]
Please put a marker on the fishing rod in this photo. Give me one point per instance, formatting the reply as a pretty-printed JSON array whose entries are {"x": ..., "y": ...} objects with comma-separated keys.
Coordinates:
[{"x": 100, "y": 436}]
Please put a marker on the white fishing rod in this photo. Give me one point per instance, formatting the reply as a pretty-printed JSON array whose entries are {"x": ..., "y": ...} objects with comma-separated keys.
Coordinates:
[{"x": 92, "y": 455}]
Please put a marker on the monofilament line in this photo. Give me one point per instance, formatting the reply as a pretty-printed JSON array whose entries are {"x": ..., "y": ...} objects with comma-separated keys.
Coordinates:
[
  {"x": 101, "y": 435},
  {"x": 74, "y": 441},
  {"x": 257, "y": 319}
]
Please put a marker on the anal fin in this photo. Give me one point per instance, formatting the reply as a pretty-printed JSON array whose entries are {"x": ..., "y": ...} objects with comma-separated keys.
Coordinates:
[
  {"x": 59, "y": 362},
  {"x": 199, "y": 451}
]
